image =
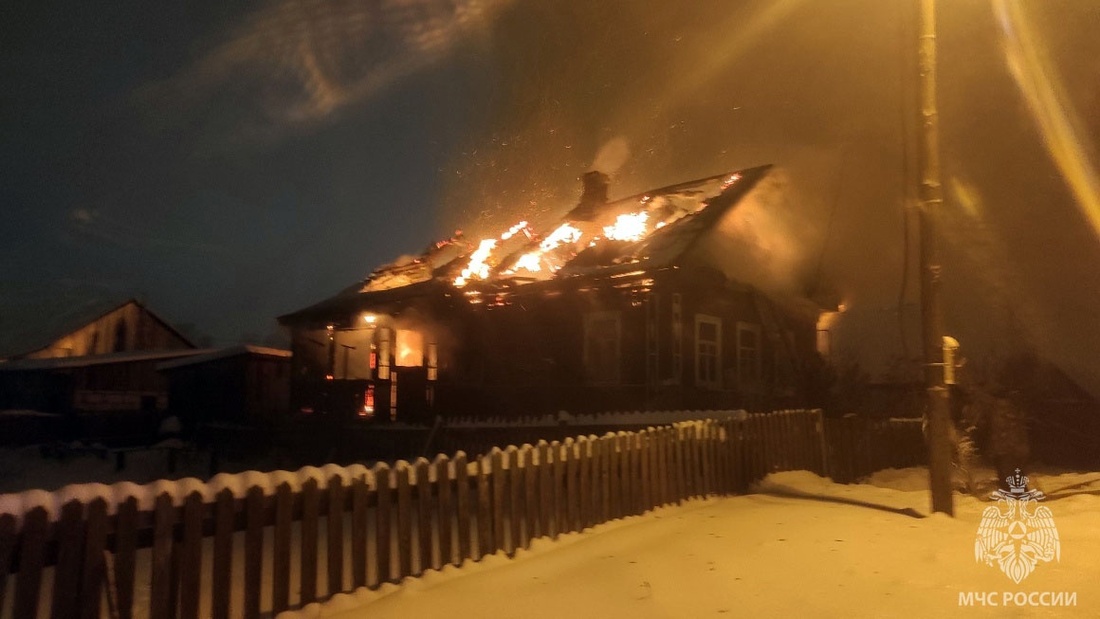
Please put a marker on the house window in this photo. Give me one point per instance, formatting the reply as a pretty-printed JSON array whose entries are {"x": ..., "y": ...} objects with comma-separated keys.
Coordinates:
[
  {"x": 652, "y": 342},
  {"x": 677, "y": 338},
  {"x": 353, "y": 348},
  {"x": 748, "y": 355},
  {"x": 708, "y": 351},
  {"x": 602, "y": 336},
  {"x": 410, "y": 348}
]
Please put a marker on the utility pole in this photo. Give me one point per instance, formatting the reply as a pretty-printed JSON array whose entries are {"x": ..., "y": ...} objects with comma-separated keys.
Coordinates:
[{"x": 940, "y": 443}]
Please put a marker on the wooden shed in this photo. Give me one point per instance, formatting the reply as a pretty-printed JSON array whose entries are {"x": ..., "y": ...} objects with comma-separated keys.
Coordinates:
[{"x": 238, "y": 385}]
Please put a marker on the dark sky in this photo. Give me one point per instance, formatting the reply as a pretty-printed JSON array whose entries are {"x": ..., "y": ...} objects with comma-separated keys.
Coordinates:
[{"x": 232, "y": 164}]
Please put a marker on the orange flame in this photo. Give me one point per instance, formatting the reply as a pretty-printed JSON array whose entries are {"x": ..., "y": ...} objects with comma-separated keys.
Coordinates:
[
  {"x": 565, "y": 233},
  {"x": 478, "y": 267},
  {"x": 530, "y": 262},
  {"x": 627, "y": 227}
]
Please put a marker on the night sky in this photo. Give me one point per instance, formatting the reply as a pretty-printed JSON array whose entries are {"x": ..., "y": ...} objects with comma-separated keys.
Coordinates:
[{"x": 229, "y": 165}]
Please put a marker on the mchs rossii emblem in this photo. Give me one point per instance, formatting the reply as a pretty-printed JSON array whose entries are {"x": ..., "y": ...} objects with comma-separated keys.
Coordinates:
[{"x": 1017, "y": 533}]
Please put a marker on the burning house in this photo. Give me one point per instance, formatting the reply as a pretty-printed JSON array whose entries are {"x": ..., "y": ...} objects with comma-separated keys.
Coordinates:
[{"x": 623, "y": 305}]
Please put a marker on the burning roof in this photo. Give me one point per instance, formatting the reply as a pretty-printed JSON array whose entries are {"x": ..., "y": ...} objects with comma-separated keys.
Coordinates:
[
  {"x": 648, "y": 229},
  {"x": 597, "y": 238}
]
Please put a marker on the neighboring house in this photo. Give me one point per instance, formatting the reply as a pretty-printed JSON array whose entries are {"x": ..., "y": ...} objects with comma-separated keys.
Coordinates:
[
  {"x": 90, "y": 328},
  {"x": 247, "y": 385},
  {"x": 95, "y": 362},
  {"x": 631, "y": 304}
]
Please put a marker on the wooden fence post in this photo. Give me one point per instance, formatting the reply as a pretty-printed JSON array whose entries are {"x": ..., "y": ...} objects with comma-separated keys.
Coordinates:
[
  {"x": 530, "y": 492},
  {"x": 615, "y": 445},
  {"x": 645, "y": 452},
  {"x": 758, "y": 440},
  {"x": 94, "y": 567},
  {"x": 499, "y": 481},
  {"x": 707, "y": 469},
  {"x": 572, "y": 483},
  {"x": 718, "y": 456},
  {"x": 404, "y": 520},
  {"x": 160, "y": 588},
  {"x": 446, "y": 516},
  {"x": 280, "y": 573},
  {"x": 335, "y": 534},
  {"x": 691, "y": 456},
  {"x": 462, "y": 506},
  {"x": 32, "y": 558},
  {"x": 383, "y": 522},
  {"x": 663, "y": 465},
  {"x": 484, "y": 508},
  {"x": 515, "y": 498},
  {"x": 253, "y": 551},
  {"x": 9, "y": 537},
  {"x": 222, "y": 572},
  {"x": 546, "y": 496},
  {"x": 785, "y": 440},
  {"x": 626, "y": 473},
  {"x": 604, "y": 447},
  {"x": 561, "y": 525},
  {"x": 191, "y": 558},
  {"x": 423, "y": 517},
  {"x": 70, "y": 545},
  {"x": 358, "y": 532},
  {"x": 584, "y": 483}
]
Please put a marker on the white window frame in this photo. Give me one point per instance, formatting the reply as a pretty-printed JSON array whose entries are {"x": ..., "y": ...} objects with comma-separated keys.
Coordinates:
[
  {"x": 705, "y": 348},
  {"x": 591, "y": 320}
]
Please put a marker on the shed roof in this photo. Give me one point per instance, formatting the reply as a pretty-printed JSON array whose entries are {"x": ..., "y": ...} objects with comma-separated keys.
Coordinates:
[
  {"x": 225, "y": 353},
  {"x": 57, "y": 363}
]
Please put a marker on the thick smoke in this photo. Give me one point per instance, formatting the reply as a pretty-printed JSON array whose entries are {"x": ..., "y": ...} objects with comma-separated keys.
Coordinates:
[{"x": 611, "y": 156}]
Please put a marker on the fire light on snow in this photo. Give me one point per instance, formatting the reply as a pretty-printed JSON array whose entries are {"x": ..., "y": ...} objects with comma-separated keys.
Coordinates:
[{"x": 627, "y": 227}]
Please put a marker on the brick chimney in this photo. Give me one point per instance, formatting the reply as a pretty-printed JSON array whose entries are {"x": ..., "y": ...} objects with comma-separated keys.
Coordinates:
[{"x": 595, "y": 184}]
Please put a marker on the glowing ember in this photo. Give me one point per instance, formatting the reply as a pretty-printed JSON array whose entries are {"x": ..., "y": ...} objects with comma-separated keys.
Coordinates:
[
  {"x": 513, "y": 230},
  {"x": 731, "y": 180},
  {"x": 628, "y": 227},
  {"x": 478, "y": 268}
]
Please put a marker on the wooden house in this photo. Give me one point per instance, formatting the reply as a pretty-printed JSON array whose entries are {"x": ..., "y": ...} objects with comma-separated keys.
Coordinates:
[
  {"x": 627, "y": 304},
  {"x": 93, "y": 362}
]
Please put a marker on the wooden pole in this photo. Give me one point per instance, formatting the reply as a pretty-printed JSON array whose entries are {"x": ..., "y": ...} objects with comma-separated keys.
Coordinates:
[{"x": 931, "y": 198}]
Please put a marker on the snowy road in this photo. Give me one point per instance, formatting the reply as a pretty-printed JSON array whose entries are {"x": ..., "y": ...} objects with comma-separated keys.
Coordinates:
[{"x": 762, "y": 556}]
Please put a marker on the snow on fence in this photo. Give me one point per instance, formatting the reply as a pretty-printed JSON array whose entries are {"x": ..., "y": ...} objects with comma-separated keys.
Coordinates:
[{"x": 255, "y": 543}]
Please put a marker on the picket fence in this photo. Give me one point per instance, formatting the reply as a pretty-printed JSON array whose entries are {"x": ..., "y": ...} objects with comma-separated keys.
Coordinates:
[{"x": 264, "y": 549}]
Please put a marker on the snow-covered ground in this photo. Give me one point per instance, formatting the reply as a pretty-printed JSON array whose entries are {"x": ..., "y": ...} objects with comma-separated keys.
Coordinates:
[{"x": 802, "y": 547}]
